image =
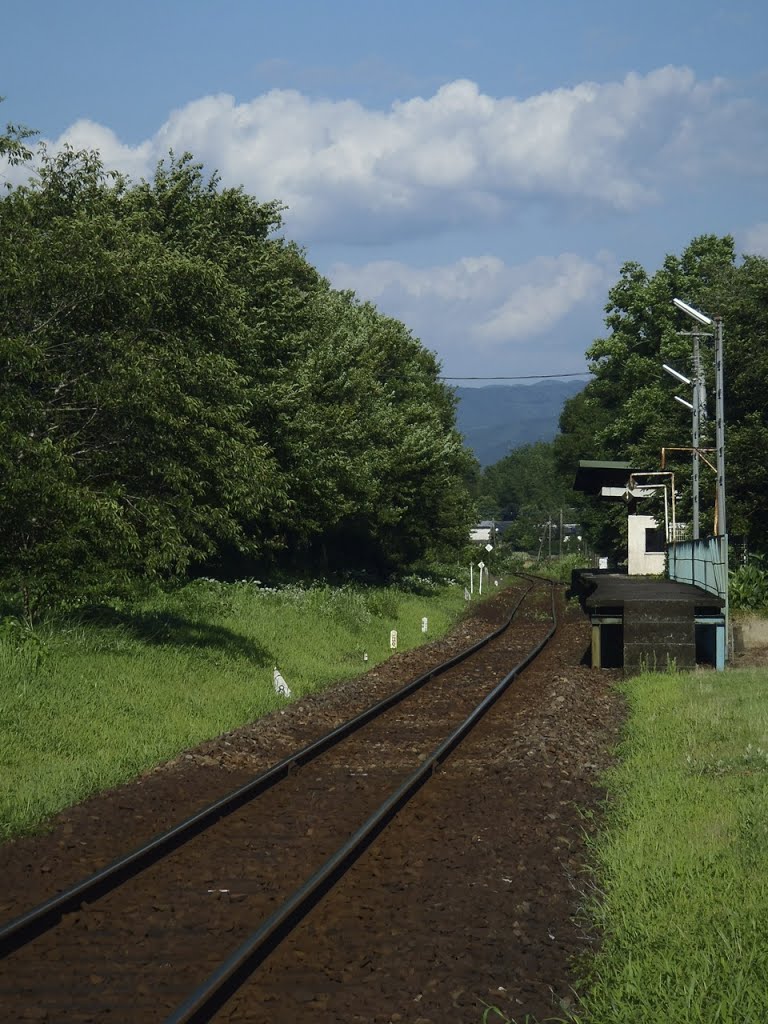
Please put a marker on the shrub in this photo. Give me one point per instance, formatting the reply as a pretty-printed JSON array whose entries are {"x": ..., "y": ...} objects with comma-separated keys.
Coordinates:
[{"x": 748, "y": 585}]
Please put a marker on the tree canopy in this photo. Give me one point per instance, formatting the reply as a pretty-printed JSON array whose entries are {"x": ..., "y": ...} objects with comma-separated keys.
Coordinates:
[
  {"x": 527, "y": 488},
  {"x": 179, "y": 386},
  {"x": 628, "y": 412}
]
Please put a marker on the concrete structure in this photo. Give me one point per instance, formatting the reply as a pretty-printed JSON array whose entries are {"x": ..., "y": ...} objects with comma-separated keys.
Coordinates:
[
  {"x": 750, "y": 632},
  {"x": 653, "y": 624},
  {"x": 646, "y": 546},
  {"x": 640, "y": 621}
]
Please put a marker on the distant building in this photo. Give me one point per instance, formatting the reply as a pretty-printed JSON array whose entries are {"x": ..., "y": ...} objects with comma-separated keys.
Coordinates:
[{"x": 483, "y": 532}]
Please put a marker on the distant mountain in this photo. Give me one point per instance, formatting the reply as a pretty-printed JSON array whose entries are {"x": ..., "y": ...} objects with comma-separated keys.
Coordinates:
[{"x": 498, "y": 418}]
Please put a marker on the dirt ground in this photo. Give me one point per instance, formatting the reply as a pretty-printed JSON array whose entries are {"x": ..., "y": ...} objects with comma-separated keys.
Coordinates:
[
  {"x": 752, "y": 657},
  {"x": 469, "y": 898}
]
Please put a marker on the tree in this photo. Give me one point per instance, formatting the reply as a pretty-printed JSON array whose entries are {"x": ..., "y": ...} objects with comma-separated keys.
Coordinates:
[
  {"x": 178, "y": 383},
  {"x": 525, "y": 486},
  {"x": 627, "y": 411},
  {"x": 374, "y": 462},
  {"x": 126, "y": 440},
  {"x": 13, "y": 148}
]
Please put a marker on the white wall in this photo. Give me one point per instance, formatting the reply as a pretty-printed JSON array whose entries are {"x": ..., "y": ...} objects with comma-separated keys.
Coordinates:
[
  {"x": 639, "y": 561},
  {"x": 480, "y": 535}
]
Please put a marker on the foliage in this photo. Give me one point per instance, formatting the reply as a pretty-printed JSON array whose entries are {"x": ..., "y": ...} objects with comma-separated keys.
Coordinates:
[
  {"x": 627, "y": 411},
  {"x": 13, "y": 148},
  {"x": 748, "y": 585},
  {"x": 383, "y": 466},
  {"x": 560, "y": 569},
  {"x": 179, "y": 387},
  {"x": 526, "y": 487}
]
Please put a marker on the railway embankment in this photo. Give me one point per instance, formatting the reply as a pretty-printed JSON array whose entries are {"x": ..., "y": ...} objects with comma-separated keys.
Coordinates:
[
  {"x": 92, "y": 700},
  {"x": 466, "y": 897}
]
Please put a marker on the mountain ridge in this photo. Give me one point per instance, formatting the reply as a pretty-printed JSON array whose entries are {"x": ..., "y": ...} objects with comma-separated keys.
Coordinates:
[{"x": 497, "y": 418}]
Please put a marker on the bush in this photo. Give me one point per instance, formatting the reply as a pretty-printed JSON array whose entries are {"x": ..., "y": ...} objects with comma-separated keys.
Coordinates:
[
  {"x": 748, "y": 585},
  {"x": 560, "y": 569}
]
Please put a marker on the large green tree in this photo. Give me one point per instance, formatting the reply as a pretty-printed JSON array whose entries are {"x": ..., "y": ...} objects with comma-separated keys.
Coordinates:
[
  {"x": 628, "y": 410},
  {"x": 177, "y": 381},
  {"x": 126, "y": 436}
]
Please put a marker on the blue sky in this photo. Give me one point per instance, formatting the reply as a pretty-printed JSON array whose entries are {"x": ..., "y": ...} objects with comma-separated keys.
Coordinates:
[{"x": 479, "y": 170}]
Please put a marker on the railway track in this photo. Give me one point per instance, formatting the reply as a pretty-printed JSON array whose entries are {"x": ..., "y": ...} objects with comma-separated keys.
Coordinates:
[{"x": 172, "y": 930}]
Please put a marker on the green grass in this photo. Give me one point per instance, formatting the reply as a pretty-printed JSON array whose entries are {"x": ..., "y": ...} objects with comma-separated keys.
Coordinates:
[
  {"x": 90, "y": 704},
  {"x": 682, "y": 866}
]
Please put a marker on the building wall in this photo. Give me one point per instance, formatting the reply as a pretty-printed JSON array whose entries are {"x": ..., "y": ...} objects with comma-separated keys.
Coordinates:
[
  {"x": 641, "y": 562},
  {"x": 481, "y": 536}
]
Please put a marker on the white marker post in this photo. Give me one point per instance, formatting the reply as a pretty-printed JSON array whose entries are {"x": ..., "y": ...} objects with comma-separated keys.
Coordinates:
[
  {"x": 424, "y": 624},
  {"x": 393, "y": 640},
  {"x": 280, "y": 685},
  {"x": 471, "y": 578},
  {"x": 481, "y": 566}
]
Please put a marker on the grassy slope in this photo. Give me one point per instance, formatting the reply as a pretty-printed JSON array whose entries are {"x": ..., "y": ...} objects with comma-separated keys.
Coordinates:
[
  {"x": 683, "y": 863},
  {"x": 85, "y": 708}
]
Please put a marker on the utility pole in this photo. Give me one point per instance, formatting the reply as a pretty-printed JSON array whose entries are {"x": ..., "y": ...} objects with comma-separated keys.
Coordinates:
[
  {"x": 697, "y": 408},
  {"x": 722, "y": 528}
]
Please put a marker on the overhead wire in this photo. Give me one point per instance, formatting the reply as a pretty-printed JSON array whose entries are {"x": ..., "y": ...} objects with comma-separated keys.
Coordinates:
[{"x": 525, "y": 376}]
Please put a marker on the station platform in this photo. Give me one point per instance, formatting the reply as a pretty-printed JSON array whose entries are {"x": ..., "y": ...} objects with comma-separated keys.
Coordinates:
[{"x": 648, "y": 623}]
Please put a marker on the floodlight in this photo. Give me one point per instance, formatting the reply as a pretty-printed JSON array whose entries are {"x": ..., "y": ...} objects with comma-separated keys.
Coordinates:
[
  {"x": 678, "y": 376},
  {"x": 682, "y": 401},
  {"x": 694, "y": 313}
]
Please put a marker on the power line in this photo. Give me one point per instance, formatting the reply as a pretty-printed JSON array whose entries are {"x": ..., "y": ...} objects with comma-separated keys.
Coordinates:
[{"x": 526, "y": 376}]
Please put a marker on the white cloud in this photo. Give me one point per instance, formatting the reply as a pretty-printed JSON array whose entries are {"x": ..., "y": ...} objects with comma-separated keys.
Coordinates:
[
  {"x": 480, "y": 308},
  {"x": 134, "y": 161},
  {"x": 553, "y": 287},
  {"x": 755, "y": 240},
  {"x": 427, "y": 164}
]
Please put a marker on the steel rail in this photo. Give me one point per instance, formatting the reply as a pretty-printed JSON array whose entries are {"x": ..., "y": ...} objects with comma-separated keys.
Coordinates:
[
  {"x": 222, "y": 983},
  {"x": 28, "y": 926}
]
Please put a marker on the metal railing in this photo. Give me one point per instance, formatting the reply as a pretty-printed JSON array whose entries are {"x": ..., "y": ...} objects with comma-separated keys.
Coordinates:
[
  {"x": 704, "y": 563},
  {"x": 678, "y": 532}
]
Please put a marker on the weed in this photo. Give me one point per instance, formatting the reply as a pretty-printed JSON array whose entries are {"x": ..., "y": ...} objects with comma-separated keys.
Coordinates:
[
  {"x": 560, "y": 569},
  {"x": 681, "y": 884},
  {"x": 94, "y": 699},
  {"x": 748, "y": 585},
  {"x": 494, "y": 1015},
  {"x": 22, "y": 647}
]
